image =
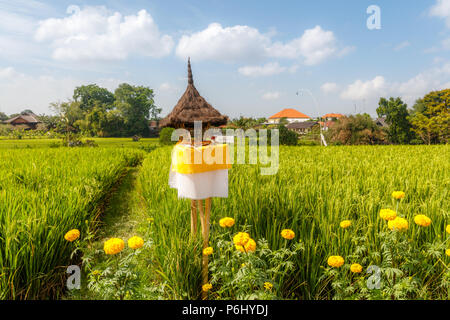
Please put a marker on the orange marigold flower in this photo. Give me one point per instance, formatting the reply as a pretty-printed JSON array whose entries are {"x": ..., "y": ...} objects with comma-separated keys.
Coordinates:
[
  {"x": 422, "y": 220},
  {"x": 388, "y": 214},
  {"x": 113, "y": 246},
  {"x": 335, "y": 261},
  {"x": 356, "y": 268},
  {"x": 72, "y": 235},
  {"x": 288, "y": 234}
]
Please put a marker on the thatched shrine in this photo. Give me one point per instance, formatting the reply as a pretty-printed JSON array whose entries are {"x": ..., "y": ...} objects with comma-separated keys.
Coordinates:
[{"x": 193, "y": 107}]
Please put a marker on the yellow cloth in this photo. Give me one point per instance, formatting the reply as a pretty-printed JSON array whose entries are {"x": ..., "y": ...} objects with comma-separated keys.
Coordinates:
[{"x": 188, "y": 159}]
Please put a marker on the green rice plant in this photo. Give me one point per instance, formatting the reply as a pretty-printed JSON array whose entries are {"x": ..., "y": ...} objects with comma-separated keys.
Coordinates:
[{"x": 43, "y": 194}]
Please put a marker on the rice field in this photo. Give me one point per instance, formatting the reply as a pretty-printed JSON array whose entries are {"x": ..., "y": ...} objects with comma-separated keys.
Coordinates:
[
  {"x": 315, "y": 189},
  {"x": 44, "y": 192}
]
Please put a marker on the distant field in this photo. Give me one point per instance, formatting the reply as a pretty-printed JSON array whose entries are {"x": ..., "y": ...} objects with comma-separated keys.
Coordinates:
[{"x": 47, "y": 143}]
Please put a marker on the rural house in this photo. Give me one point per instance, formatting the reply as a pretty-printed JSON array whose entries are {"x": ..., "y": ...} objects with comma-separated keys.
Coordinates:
[
  {"x": 302, "y": 127},
  {"x": 332, "y": 116},
  {"x": 27, "y": 121},
  {"x": 291, "y": 115}
]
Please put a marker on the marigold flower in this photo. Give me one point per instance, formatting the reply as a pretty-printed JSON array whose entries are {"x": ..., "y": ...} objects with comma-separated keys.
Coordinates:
[
  {"x": 448, "y": 229},
  {"x": 241, "y": 238},
  {"x": 422, "y": 220},
  {"x": 208, "y": 251},
  {"x": 226, "y": 222},
  {"x": 335, "y": 261},
  {"x": 288, "y": 234},
  {"x": 135, "y": 242},
  {"x": 268, "y": 286},
  {"x": 113, "y": 246},
  {"x": 250, "y": 246},
  {"x": 399, "y": 224},
  {"x": 398, "y": 195},
  {"x": 206, "y": 287},
  {"x": 72, "y": 235},
  {"x": 447, "y": 252},
  {"x": 388, "y": 214},
  {"x": 356, "y": 268},
  {"x": 345, "y": 224}
]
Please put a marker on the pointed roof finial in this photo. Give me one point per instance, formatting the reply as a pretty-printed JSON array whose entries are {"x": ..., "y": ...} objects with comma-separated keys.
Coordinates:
[{"x": 190, "y": 79}]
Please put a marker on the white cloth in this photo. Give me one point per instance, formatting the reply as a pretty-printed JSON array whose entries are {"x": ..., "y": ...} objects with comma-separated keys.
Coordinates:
[{"x": 198, "y": 186}]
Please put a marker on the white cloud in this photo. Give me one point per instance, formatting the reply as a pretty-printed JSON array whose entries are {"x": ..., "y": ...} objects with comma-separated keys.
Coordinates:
[
  {"x": 441, "y": 9},
  {"x": 365, "y": 89},
  {"x": 244, "y": 43},
  {"x": 271, "y": 95},
  {"x": 315, "y": 46},
  {"x": 329, "y": 87},
  {"x": 228, "y": 44},
  {"x": 266, "y": 70},
  {"x": 94, "y": 33},
  {"x": 402, "y": 45},
  {"x": 409, "y": 90}
]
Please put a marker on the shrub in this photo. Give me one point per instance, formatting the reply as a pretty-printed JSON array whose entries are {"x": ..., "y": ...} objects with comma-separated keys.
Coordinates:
[{"x": 165, "y": 136}]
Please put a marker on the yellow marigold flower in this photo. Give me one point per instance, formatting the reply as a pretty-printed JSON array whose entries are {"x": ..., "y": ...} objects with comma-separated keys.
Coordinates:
[
  {"x": 241, "y": 238},
  {"x": 448, "y": 229},
  {"x": 345, "y": 224},
  {"x": 206, "y": 287},
  {"x": 398, "y": 223},
  {"x": 208, "y": 251},
  {"x": 72, "y": 235},
  {"x": 335, "y": 261},
  {"x": 242, "y": 265},
  {"x": 268, "y": 286},
  {"x": 135, "y": 242},
  {"x": 398, "y": 195},
  {"x": 447, "y": 252},
  {"x": 356, "y": 268},
  {"x": 288, "y": 234},
  {"x": 226, "y": 222},
  {"x": 113, "y": 246},
  {"x": 388, "y": 214},
  {"x": 249, "y": 246},
  {"x": 422, "y": 220}
]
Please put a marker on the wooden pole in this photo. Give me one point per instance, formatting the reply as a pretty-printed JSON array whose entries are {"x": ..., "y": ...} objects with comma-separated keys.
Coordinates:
[
  {"x": 204, "y": 220},
  {"x": 193, "y": 218}
]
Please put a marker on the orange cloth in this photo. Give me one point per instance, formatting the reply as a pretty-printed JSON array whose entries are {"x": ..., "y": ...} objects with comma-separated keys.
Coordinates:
[{"x": 188, "y": 159}]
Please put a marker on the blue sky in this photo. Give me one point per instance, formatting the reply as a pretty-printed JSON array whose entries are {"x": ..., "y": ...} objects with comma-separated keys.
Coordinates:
[{"x": 248, "y": 57}]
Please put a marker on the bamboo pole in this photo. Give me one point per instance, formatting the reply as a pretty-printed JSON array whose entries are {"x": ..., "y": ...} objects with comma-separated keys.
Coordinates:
[
  {"x": 204, "y": 220},
  {"x": 193, "y": 218}
]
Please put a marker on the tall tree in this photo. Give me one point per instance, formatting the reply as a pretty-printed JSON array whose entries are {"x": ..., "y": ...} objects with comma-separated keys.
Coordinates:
[
  {"x": 3, "y": 116},
  {"x": 395, "y": 111},
  {"x": 92, "y": 95},
  {"x": 136, "y": 105},
  {"x": 431, "y": 117}
]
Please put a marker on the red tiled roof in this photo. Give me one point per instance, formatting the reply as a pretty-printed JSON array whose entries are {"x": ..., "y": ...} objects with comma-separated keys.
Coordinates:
[
  {"x": 333, "y": 115},
  {"x": 289, "y": 113}
]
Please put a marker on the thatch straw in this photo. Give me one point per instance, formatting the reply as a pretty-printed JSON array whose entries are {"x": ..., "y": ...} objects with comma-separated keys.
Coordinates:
[{"x": 192, "y": 107}]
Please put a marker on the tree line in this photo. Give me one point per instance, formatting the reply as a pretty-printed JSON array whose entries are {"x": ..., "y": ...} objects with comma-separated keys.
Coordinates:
[
  {"x": 428, "y": 122},
  {"x": 95, "y": 111}
]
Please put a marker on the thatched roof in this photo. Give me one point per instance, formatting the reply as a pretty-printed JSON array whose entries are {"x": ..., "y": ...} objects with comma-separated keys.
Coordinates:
[
  {"x": 26, "y": 117},
  {"x": 192, "y": 107}
]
